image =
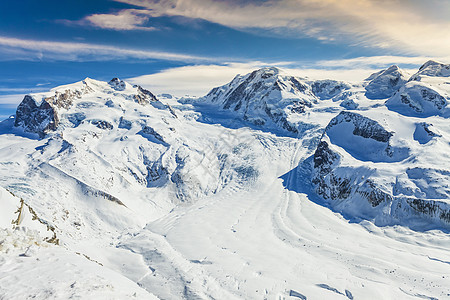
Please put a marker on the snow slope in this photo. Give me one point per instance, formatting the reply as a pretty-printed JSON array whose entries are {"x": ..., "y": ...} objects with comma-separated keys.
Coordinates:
[{"x": 263, "y": 189}]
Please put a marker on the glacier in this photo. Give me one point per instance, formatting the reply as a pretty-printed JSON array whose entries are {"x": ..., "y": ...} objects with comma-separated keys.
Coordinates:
[{"x": 269, "y": 187}]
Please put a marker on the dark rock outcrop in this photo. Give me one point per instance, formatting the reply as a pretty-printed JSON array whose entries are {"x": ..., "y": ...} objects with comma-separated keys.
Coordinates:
[
  {"x": 117, "y": 84},
  {"x": 42, "y": 115},
  {"x": 265, "y": 95},
  {"x": 144, "y": 96},
  {"x": 363, "y": 126},
  {"x": 327, "y": 89},
  {"x": 357, "y": 189},
  {"x": 43, "y": 118},
  {"x": 420, "y": 100}
]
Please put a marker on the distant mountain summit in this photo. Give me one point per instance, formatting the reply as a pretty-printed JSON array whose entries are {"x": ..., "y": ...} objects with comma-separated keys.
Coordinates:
[
  {"x": 268, "y": 95},
  {"x": 432, "y": 69},
  {"x": 385, "y": 83},
  {"x": 42, "y": 113},
  {"x": 427, "y": 93}
]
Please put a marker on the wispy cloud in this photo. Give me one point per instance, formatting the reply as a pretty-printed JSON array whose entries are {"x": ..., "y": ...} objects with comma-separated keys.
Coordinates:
[
  {"x": 11, "y": 101},
  {"x": 200, "y": 79},
  {"x": 193, "y": 80},
  {"x": 368, "y": 62},
  {"x": 14, "y": 48},
  {"x": 407, "y": 26},
  {"x": 126, "y": 19}
]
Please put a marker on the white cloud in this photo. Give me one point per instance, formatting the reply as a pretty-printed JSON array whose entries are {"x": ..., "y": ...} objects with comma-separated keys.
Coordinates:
[
  {"x": 192, "y": 80},
  {"x": 22, "y": 90},
  {"x": 200, "y": 79},
  {"x": 403, "y": 25},
  {"x": 377, "y": 61},
  {"x": 11, "y": 100},
  {"x": 14, "y": 48},
  {"x": 126, "y": 19}
]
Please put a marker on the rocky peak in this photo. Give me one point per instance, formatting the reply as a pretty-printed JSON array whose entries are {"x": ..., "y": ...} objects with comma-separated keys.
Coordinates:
[
  {"x": 362, "y": 126},
  {"x": 430, "y": 63},
  {"x": 143, "y": 96},
  {"x": 257, "y": 86},
  {"x": 264, "y": 95},
  {"x": 41, "y": 113},
  {"x": 41, "y": 116},
  {"x": 326, "y": 89},
  {"x": 363, "y": 138},
  {"x": 267, "y": 72},
  {"x": 35, "y": 118},
  {"x": 432, "y": 69},
  {"x": 117, "y": 84},
  {"x": 416, "y": 98},
  {"x": 385, "y": 83}
]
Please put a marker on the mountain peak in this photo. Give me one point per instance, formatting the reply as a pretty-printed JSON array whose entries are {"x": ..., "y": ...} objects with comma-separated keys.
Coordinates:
[
  {"x": 432, "y": 69},
  {"x": 392, "y": 68},
  {"x": 42, "y": 113},
  {"x": 117, "y": 84},
  {"x": 269, "y": 71},
  {"x": 385, "y": 83},
  {"x": 429, "y": 63}
]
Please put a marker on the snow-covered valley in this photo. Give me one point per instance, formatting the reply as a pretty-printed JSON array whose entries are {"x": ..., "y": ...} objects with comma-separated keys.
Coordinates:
[{"x": 269, "y": 187}]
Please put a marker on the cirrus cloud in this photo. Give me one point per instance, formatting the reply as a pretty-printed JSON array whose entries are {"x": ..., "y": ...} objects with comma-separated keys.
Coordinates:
[
  {"x": 402, "y": 25},
  {"x": 26, "y": 49},
  {"x": 126, "y": 19}
]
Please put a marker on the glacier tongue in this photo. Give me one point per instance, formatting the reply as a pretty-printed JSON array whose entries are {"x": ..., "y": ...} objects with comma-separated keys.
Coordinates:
[{"x": 266, "y": 188}]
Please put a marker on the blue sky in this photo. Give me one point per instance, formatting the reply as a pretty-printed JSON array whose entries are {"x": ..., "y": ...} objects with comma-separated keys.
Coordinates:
[{"x": 189, "y": 46}]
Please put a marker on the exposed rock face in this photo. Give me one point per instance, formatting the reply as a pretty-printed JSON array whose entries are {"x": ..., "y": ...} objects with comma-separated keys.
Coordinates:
[
  {"x": 419, "y": 99},
  {"x": 44, "y": 118},
  {"x": 363, "y": 126},
  {"x": 324, "y": 158},
  {"x": 102, "y": 124},
  {"x": 144, "y": 96},
  {"x": 149, "y": 131},
  {"x": 327, "y": 89},
  {"x": 329, "y": 181},
  {"x": 264, "y": 95},
  {"x": 385, "y": 83},
  {"x": 117, "y": 84},
  {"x": 331, "y": 184},
  {"x": 363, "y": 138},
  {"x": 349, "y": 104},
  {"x": 36, "y": 119},
  {"x": 41, "y": 113},
  {"x": 358, "y": 189}
]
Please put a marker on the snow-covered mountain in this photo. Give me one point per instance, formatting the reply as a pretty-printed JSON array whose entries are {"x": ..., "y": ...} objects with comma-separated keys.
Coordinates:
[
  {"x": 267, "y": 96},
  {"x": 269, "y": 187},
  {"x": 425, "y": 94},
  {"x": 362, "y": 157},
  {"x": 385, "y": 83}
]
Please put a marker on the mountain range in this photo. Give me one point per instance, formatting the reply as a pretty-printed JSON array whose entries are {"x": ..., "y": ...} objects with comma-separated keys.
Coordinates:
[{"x": 269, "y": 187}]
